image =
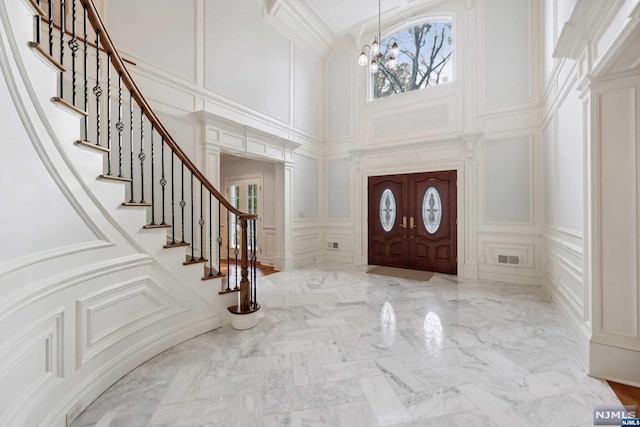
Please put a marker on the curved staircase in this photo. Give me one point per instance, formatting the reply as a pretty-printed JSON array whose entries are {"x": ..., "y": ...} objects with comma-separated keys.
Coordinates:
[{"x": 142, "y": 270}]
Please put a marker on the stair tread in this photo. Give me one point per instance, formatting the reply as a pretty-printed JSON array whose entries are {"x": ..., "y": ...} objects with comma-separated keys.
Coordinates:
[
  {"x": 69, "y": 107},
  {"x": 194, "y": 260},
  {"x": 154, "y": 226},
  {"x": 45, "y": 55},
  {"x": 136, "y": 204},
  {"x": 115, "y": 178},
  {"x": 211, "y": 273},
  {"x": 177, "y": 244},
  {"x": 87, "y": 144}
]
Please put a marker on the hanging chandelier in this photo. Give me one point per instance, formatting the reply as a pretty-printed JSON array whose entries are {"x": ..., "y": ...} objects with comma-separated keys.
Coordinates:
[{"x": 375, "y": 56}]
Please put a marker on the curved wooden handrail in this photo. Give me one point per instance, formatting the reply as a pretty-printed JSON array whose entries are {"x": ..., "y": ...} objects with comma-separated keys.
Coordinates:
[{"x": 118, "y": 64}]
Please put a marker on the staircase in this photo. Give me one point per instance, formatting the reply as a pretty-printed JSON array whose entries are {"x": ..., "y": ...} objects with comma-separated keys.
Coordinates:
[{"x": 155, "y": 215}]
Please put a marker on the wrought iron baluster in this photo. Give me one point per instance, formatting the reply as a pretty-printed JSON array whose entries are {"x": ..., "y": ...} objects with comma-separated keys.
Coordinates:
[
  {"x": 210, "y": 237},
  {"x": 153, "y": 182},
  {"x": 132, "y": 199},
  {"x": 163, "y": 183},
  {"x": 73, "y": 46},
  {"x": 97, "y": 90},
  {"x": 173, "y": 203},
  {"x": 120, "y": 125},
  {"x": 254, "y": 265},
  {"x": 193, "y": 240},
  {"x": 50, "y": 11},
  {"x": 142, "y": 156},
  {"x": 38, "y": 19},
  {"x": 182, "y": 202},
  {"x": 86, "y": 75},
  {"x": 219, "y": 239},
  {"x": 62, "y": 30},
  {"x": 109, "y": 113},
  {"x": 228, "y": 250},
  {"x": 235, "y": 249},
  {"x": 201, "y": 222}
]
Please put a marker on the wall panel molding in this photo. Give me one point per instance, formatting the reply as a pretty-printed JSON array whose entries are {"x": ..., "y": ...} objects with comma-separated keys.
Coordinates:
[{"x": 112, "y": 314}]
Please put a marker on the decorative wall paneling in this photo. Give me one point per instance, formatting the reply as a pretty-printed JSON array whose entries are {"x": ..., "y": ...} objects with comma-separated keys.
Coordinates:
[{"x": 86, "y": 317}]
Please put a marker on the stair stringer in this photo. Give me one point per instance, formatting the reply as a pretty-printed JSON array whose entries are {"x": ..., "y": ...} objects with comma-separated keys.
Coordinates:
[{"x": 121, "y": 257}]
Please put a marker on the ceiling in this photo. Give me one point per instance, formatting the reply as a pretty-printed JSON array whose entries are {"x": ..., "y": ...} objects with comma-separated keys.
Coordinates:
[{"x": 343, "y": 16}]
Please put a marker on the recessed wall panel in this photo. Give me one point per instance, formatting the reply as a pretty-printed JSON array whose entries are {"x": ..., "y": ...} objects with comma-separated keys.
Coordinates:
[
  {"x": 507, "y": 52},
  {"x": 306, "y": 187},
  {"x": 618, "y": 212},
  {"x": 508, "y": 180},
  {"x": 339, "y": 189}
]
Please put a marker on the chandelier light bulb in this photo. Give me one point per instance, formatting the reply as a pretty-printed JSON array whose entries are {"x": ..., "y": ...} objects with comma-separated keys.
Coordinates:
[
  {"x": 362, "y": 60},
  {"x": 375, "y": 47},
  {"x": 392, "y": 62},
  {"x": 395, "y": 49},
  {"x": 374, "y": 66}
]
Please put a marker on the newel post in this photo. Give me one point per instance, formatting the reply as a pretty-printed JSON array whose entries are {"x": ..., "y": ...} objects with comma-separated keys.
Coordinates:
[{"x": 245, "y": 284}]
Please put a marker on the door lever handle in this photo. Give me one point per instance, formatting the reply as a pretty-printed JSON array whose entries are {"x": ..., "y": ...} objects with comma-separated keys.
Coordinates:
[
  {"x": 412, "y": 224},
  {"x": 404, "y": 222}
]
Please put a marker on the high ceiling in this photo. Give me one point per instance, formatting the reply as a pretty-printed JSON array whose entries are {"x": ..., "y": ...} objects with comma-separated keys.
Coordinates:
[{"x": 343, "y": 15}]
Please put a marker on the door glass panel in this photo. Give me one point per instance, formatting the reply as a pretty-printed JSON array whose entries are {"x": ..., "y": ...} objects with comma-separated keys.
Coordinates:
[
  {"x": 234, "y": 199},
  {"x": 431, "y": 210},
  {"x": 387, "y": 210}
]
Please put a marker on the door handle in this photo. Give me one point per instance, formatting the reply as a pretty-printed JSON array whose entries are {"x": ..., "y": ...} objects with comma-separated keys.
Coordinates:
[
  {"x": 404, "y": 222},
  {"x": 412, "y": 224}
]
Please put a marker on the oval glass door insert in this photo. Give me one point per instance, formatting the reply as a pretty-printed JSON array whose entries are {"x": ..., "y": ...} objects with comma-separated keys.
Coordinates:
[
  {"x": 431, "y": 210},
  {"x": 387, "y": 210}
]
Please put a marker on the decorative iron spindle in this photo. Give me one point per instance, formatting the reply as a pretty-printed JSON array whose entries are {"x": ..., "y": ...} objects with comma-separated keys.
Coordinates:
[
  {"x": 182, "y": 202},
  {"x": 211, "y": 237},
  {"x": 109, "y": 113},
  {"x": 132, "y": 199},
  {"x": 38, "y": 19},
  {"x": 142, "y": 156},
  {"x": 220, "y": 240},
  {"x": 97, "y": 90},
  {"x": 254, "y": 265},
  {"x": 228, "y": 250},
  {"x": 163, "y": 183},
  {"x": 201, "y": 222},
  {"x": 235, "y": 248},
  {"x": 120, "y": 125},
  {"x": 50, "y": 11},
  {"x": 173, "y": 204},
  {"x": 153, "y": 182},
  {"x": 73, "y": 46},
  {"x": 193, "y": 240},
  {"x": 62, "y": 30},
  {"x": 86, "y": 75}
]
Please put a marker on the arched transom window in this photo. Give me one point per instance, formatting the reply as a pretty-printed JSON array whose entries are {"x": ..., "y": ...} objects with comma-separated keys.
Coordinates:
[{"x": 425, "y": 58}]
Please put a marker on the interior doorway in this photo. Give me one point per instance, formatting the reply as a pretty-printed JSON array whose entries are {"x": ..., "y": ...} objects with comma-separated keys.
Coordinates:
[
  {"x": 412, "y": 221},
  {"x": 245, "y": 194}
]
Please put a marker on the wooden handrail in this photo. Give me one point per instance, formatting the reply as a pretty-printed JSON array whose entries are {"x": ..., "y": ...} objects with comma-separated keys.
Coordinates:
[
  {"x": 81, "y": 39},
  {"x": 118, "y": 63}
]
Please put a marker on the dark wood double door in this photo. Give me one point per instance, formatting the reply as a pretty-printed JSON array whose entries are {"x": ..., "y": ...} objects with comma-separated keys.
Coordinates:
[{"x": 412, "y": 221}]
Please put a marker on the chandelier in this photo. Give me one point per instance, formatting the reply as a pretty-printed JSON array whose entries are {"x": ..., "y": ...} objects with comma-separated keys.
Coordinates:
[{"x": 376, "y": 57}]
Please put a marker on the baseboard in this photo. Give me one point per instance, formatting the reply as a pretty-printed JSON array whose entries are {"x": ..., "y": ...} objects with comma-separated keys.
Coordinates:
[
  {"x": 510, "y": 278},
  {"x": 94, "y": 385},
  {"x": 579, "y": 329},
  {"x": 616, "y": 364}
]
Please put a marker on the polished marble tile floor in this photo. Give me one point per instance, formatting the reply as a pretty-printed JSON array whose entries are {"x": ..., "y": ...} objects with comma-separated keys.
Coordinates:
[{"x": 335, "y": 346}]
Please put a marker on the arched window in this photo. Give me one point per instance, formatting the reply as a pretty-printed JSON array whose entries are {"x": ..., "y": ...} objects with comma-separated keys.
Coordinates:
[{"x": 424, "y": 59}]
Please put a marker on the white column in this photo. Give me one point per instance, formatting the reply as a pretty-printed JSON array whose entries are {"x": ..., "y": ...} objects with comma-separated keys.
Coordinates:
[
  {"x": 284, "y": 259},
  {"x": 470, "y": 262}
]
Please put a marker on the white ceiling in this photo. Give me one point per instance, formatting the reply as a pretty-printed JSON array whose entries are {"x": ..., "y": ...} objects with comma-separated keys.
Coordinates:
[{"x": 343, "y": 15}]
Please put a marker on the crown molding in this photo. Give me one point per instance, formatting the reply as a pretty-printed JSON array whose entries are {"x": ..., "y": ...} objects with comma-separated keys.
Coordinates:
[{"x": 297, "y": 21}]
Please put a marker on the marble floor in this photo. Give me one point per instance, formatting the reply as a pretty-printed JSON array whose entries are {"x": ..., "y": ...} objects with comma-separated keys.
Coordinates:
[{"x": 336, "y": 346}]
